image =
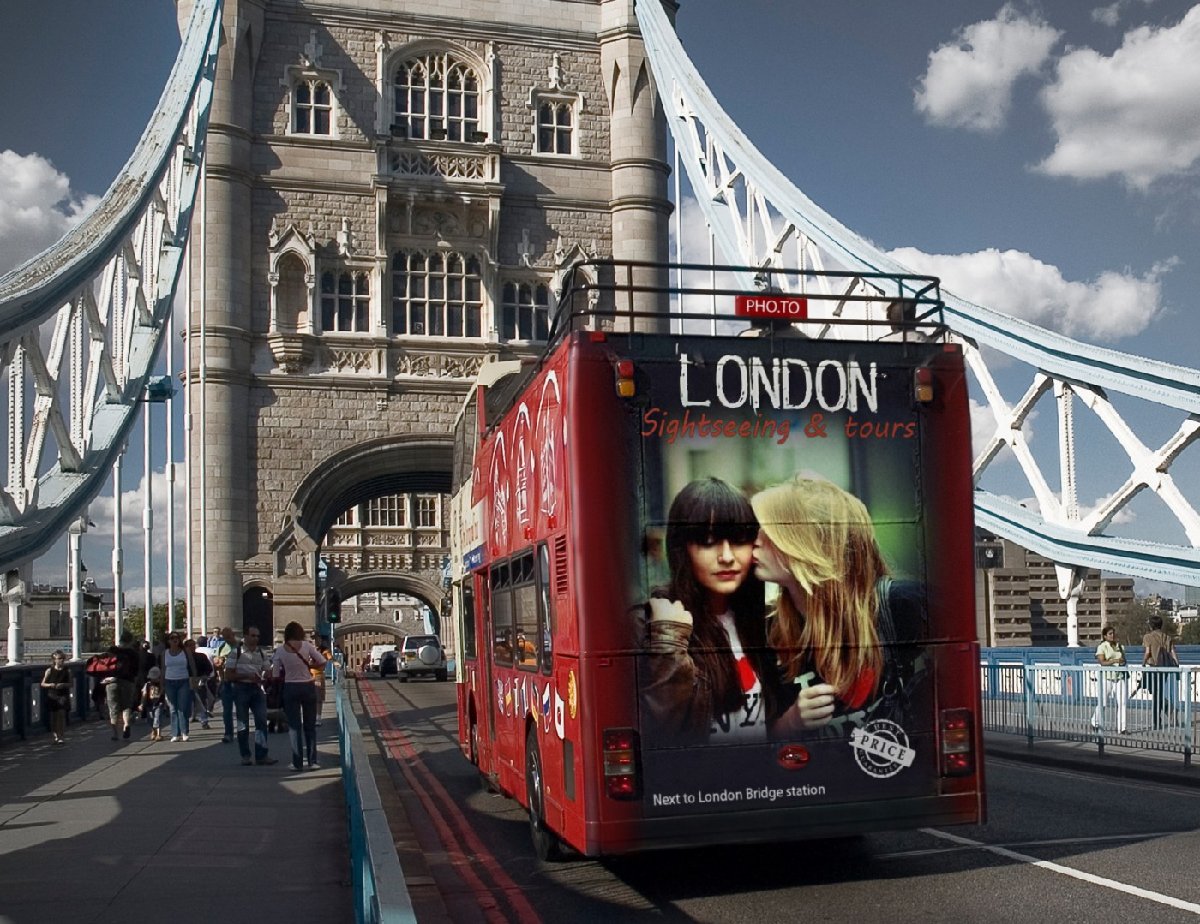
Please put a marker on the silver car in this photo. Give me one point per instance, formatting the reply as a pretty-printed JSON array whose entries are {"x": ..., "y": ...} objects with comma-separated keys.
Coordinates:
[{"x": 422, "y": 655}]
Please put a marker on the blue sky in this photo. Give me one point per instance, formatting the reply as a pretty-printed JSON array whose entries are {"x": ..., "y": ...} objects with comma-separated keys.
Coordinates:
[{"x": 1042, "y": 159}]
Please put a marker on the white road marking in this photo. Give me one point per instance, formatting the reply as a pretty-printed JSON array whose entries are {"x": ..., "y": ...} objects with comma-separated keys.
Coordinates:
[
  {"x": 1173, "y": 902},
  {"x": 1049, "y": 842}
]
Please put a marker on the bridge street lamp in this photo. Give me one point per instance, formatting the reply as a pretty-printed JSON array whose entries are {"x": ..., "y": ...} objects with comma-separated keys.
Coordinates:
[
  {"x": 75, "y": 571},
  {"x": 159, "y": 389}
]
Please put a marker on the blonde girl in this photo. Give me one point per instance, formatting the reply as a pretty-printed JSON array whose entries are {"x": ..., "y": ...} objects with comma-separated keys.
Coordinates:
[{"x": 818, "y": 543}]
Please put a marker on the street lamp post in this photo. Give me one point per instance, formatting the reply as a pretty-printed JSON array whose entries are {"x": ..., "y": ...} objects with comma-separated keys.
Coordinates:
[
  {"x": 14, "y": 594},
  {"x": 75, "y": 577},
  {"x": 118, "y": 562},
  {"x": 159, "y": 388}
]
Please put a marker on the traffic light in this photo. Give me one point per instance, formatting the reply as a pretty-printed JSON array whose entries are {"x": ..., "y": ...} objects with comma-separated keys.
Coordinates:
[{"x": 333, "y": 609}]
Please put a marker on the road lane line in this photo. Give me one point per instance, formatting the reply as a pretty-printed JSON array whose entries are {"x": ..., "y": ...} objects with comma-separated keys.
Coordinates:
[
  {"x": 1158, "y": 897},
  {"x": 428, "y": 789}
]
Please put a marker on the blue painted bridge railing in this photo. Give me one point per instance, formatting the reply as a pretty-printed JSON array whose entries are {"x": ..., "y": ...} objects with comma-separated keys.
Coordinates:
[
  {"x": 380, "y": 891},
  {"x": 1152, "y": 708}
]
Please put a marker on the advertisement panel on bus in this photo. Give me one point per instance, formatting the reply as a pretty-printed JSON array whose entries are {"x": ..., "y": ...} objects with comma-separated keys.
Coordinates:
[
  {"x": 786, "y": 571},
  {"x": 753, "y": 554}
]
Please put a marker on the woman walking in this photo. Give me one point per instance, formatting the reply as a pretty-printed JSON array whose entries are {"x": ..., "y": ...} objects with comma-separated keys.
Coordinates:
[
  {"x": 294, "y": 661},
  {"x": 178, "y": 669},
  {"x": 1111, "y": 654},
  {"x": 57, "y": 684}
]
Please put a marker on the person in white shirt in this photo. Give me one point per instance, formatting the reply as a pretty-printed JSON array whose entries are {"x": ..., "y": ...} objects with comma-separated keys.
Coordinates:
[
  {"x": 1111, "y": 653},
  {"x": 178, "y": 668},
  {"x": 244, "y": 669},
  {"x": 294, "y": 661}
]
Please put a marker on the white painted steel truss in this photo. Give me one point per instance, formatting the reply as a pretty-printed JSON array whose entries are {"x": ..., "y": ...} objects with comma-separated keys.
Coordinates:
[
  {"x": 81, "y": 324},
  {"x": 759, "y": 218}
]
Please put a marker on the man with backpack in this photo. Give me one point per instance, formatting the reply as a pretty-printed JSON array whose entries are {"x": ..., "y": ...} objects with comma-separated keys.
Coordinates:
[
  {"x": 1158, "y": 650},
  {"x": 119, "y": 683},
  {"x": 244, "y": 670}
]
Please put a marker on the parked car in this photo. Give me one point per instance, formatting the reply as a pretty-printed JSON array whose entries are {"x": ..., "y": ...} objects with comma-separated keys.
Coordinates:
[{"x": 422, "y": 655}]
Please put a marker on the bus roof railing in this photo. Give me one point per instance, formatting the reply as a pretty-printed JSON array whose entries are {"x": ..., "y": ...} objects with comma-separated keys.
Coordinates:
[
  {"x": 918, "y": 298},
  {"x": 917, "y": 301}
]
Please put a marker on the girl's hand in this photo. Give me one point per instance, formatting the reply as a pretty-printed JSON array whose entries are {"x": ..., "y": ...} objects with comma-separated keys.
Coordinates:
[
  {"x": 814, "y": 707},
  {"x": 669, "y": 611}
]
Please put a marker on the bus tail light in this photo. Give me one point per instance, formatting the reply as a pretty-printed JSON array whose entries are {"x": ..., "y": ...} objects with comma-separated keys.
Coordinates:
[
  {"x": 625, "y": 384},
  {"x": 620, "y": 763},
  {"x": 958, "y": 743},
  {"x": 923, "y": 385}
]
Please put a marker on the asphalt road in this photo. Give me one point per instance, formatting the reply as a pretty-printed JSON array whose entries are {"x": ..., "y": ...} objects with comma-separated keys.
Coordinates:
[{"x": 1065, "y": 846}]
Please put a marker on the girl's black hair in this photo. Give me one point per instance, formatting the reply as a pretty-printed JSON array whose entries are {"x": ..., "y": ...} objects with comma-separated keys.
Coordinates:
[
  {"x": 706, "y": 511},
  {"x": 293, "y": 631}
]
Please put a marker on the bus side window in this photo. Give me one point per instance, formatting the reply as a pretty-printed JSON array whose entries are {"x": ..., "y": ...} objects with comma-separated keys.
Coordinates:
[
  {"x": 545, "y": 608},
  {"x": 467, "y": 609},
  {"x": 502, "y": 616},
  {"x": 525, "y": 611}
]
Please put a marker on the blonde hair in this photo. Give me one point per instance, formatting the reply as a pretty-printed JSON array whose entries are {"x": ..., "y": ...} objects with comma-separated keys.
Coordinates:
[{"x": 829, "y": 542}]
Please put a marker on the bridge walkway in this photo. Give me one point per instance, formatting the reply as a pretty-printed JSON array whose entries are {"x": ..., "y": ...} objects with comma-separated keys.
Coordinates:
[{"x": 125, "y": 831}]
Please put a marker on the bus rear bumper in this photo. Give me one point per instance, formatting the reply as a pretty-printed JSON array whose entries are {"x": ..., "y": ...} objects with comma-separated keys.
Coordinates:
[{"x": 783, "y": 824}]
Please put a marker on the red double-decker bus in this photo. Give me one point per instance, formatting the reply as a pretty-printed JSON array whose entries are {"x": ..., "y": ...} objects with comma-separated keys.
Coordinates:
[{"x": 713, "y": 577}]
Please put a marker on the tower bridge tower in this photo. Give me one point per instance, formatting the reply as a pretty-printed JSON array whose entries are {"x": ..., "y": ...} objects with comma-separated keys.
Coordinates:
[{"x": 392, "y": 190}]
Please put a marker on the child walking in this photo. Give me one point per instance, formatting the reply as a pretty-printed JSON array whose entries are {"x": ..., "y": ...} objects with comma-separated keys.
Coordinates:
[{"x": 154, "y": 702}]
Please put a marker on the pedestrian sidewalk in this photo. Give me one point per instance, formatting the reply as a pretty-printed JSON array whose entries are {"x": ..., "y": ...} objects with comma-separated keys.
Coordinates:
[
  {"x": 126, "y": 831},
  {"x": 1116, "y": 760}
]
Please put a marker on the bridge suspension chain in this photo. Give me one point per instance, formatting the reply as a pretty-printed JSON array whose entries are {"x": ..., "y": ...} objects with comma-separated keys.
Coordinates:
[
  {"x": 758, "y": 217},
  {"x": 82, "y": 322}
]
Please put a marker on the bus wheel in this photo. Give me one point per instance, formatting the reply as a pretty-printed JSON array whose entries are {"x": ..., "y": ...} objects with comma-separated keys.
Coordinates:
[{"x": 545, "y": 843}]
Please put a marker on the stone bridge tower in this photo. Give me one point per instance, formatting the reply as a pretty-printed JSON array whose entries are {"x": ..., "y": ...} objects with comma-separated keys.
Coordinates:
[{"x": 392, "y": 190}]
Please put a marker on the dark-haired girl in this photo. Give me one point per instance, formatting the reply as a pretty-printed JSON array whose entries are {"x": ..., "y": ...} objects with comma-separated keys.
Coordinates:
[{"x": 709, "y": 674}]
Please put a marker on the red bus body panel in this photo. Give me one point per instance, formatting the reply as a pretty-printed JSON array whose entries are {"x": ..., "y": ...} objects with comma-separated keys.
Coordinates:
[{"x": 581, "y": 471}]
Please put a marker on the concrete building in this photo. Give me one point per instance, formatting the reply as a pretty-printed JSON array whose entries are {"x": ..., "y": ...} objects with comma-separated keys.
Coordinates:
[
  {"x": 46, "y": 621},
  {"x": 393, "y": 192},
  {"x": 1017, "y": 599}
]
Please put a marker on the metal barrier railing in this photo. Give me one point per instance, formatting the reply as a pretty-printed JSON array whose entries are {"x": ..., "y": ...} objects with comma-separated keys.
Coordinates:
[
  {"x": 1152, "y": 708},
  {"x": 23, "y": 712},
  {"x": 380, "y": 890}
]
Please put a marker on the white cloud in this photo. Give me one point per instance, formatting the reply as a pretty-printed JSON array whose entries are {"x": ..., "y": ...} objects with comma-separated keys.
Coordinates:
[
  {"x": 133, "y": 501},
  {"x": 1124, "y": 516},
  {"x": 968, "y": 83},
  {"x": 1111, "y": 15},
  {"x": 1133, "y": 114},
  {"x": 1112, "y": 306},
  {"x": 1107, "y": 15},
  {"x": 37, "y": 207}
]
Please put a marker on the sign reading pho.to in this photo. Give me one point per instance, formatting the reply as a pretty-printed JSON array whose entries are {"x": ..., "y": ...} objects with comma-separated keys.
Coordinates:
[{"x": 773, "y": 305}]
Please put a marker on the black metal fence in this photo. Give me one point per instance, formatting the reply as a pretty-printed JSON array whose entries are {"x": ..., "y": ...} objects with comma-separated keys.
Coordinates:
[{"x": 23, "y": 712}]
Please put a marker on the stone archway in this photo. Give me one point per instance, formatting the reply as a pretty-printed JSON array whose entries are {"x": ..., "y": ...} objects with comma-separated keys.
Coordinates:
[
  {"x": 392, "y": 465},
  {"x": 348, "y": 477}
]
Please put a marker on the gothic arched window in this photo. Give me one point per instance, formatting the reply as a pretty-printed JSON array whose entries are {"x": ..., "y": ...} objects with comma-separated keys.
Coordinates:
[
  {"x": 436, "y": 97},
  {"x": 436, "y": 295},
  {"x": 525, "y": 311},
  {"x": 345, "y": 302},
  {"x": 555, "y": 127},
  {"x": 312, "y": 108},
  {"x": 291, "y": 295}
]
